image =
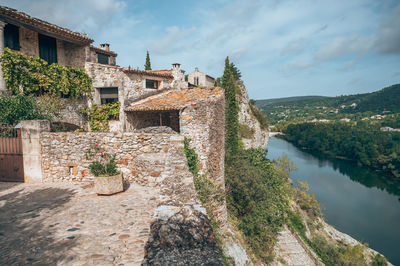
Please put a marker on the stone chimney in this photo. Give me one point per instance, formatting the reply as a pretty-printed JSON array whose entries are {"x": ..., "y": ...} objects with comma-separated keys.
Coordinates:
[
  {"x": 176, "y": 66},
  {"x": 196, "y": 69},
  {"x": 105, "y": 46}
]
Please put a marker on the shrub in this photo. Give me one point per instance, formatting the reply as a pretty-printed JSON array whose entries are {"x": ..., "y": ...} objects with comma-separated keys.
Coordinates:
[
  {"x": 104, "y": 164},
  {"x": 14, "y": 109},
  {"x": 100, "y": 115},
  {"x": 259, "y": 115},
  {"x": 245, "y": 131},
  {"x": 191, "y": 157},
  {"x": 258, "y": 197}
]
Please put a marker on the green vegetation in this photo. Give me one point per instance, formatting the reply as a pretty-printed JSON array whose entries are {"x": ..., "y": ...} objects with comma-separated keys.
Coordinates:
[
  {"x": 259, "y": 115},
  {"x": 16, "y": 108},
  {"x": 147, "y": 65},
  {"x": 32, "y": 75},
  {"x": 245, "y": 131},
  {"x": 210, "y": 194},
  {"x": 100, "y": 115},
  {"x": 103, "y": 164},
  {"x": 360, "y": 142},
  {"x": 258, "y": 197},
  {"x": 347, "y": 127},
  {"x": 231, "y": 114},
  {"x": 235, "y": 72}
]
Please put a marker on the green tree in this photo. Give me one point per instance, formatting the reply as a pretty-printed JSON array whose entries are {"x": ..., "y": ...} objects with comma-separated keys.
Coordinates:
[
  {"x": 147, "y": 65},
  {"x": 231, "y": 113},
  {"x": 235, "y": 71},
  {"x": 13, "y": 109}
]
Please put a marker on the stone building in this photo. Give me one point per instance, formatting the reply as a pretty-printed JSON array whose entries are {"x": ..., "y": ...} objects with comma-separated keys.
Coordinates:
[
  {"x": 200, "y": 79},
  {"x": 34, "y": 37}
]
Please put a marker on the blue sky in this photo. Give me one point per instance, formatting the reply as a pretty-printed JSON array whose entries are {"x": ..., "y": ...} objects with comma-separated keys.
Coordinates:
[{"x": 283, "y": 48}]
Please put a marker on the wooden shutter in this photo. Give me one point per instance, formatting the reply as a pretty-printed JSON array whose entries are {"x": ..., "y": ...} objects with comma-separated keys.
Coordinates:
[{"x": 48, "y": 49}]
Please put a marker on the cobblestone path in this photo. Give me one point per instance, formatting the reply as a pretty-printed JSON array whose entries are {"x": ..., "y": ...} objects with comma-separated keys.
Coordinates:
[
  {"x": 66, "y": 224},
  {"x": 290, "y": 250}
]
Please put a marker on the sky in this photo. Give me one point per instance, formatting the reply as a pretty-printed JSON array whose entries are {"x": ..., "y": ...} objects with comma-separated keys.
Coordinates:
[{"x": 282, "y": 47}]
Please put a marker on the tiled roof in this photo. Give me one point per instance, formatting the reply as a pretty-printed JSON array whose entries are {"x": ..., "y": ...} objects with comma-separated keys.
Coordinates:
[
  {"x": 175, "y": 99},
  {"x": 13, "y": 16},
  {"x": 147, "y": 73},
  {"x": 99, "y": 50},
  {"x": 164, "y": 71}
]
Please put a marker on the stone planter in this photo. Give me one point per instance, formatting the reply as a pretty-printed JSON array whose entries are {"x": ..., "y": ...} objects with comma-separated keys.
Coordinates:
[{"x": 108, "y": 185}]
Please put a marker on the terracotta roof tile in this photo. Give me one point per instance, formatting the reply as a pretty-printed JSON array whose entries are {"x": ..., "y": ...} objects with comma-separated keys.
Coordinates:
[
  {"x": 148, "y": 73},
  {"x": 11, "y": 15},
  {"x": 164, "y": 71},
  {"x": 175, "y": 99}
]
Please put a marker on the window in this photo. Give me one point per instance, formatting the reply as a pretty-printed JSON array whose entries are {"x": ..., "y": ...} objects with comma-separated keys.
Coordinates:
[
  {"x": 11, "y": 37},
  {"x": 108, "y": 95},
  {"x": 151, "y": 84},
  {"x": 48, "y": 49},
  {"x": 102, "y": 58}
]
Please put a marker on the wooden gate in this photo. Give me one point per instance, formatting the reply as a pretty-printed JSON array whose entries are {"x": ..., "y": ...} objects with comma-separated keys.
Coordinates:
[{"x": 11, "y": 160}]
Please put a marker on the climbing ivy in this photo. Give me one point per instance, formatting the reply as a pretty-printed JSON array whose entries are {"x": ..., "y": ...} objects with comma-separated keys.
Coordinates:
[
  {"x": 32, "y": 75},
  {"x": 100, "y": 115}
]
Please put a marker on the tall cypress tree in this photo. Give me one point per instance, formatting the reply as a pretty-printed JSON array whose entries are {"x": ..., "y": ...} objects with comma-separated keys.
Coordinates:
[
  {"x": 231, "y": 113},
  {"x": 147, "y": 65}
]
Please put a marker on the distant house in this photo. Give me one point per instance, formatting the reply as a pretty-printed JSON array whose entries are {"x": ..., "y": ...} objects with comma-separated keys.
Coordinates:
[{"x": 200, "y": 79}]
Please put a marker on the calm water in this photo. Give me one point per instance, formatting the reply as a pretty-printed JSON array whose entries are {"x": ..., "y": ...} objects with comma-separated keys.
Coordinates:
[{"x": 357, "y": 201}]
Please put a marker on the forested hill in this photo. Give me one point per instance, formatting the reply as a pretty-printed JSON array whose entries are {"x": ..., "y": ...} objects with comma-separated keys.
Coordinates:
[{"x": 386, "y": 99}]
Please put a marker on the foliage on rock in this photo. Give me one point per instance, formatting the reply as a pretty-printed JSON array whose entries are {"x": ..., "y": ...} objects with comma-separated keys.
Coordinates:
[
  {"x": 258, "y": 197},
  {"x": 259, "y": 115},
  {"x": 245, "y": 131},
  {"x": 100, "y": 115},
  {"x": 32, "y": 75}
]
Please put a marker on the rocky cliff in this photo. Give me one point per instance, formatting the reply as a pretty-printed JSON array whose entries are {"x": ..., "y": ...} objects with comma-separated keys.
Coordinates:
[{"x": 256, "y": 136}]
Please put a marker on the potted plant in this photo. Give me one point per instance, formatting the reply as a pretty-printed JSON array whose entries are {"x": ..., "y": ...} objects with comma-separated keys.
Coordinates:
[{"x": 107, "y": 178}]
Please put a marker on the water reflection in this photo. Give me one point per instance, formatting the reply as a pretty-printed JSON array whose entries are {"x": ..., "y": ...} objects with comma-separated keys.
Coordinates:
[
  {"x": 367, "y": 177},
  {"x": 357, "y": 201}
]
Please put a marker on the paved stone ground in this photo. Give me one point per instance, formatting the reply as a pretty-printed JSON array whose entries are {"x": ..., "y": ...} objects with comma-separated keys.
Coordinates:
[
  {"x": 68, "y": 224},
  {"x": 289, "y": 249}
]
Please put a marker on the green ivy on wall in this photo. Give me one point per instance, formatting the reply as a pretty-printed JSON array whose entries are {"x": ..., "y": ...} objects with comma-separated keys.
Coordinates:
[
  {"x": 32, "y": 75},
  {"x": 100, "y": 115}
]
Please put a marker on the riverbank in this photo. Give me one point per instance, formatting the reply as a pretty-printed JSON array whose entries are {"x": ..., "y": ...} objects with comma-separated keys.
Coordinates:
[{"x": 354, "y": 200}]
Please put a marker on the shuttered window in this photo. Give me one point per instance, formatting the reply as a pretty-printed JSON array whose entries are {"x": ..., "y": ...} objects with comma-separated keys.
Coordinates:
[
  {"x": 151, "y": 84},
  {"x": 11, "y": 37},
  {"x": 48, "y": 49},
  {"x": 102, "y": 58}
]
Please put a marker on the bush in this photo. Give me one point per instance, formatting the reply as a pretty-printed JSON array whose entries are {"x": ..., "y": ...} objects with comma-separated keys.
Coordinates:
[
  {"x": 258, "y": 197},
  {"x": 14, "y": 109},
  {"x": 104, "y": 164},
  {"x": 100, "y": 115},
  {"x": 259, "y": 115},
  {"x": 245, "y": 131}
]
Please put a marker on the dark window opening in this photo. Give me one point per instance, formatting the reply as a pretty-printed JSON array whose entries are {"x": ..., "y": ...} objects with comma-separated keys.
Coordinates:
[
  {"x": 102, "y": 58},
  {"x": 48, "y": 49},
  {"x": 11, "y": 37},
  {"x": 108, "y": 95},
  {"x": 151, "y": 84}
]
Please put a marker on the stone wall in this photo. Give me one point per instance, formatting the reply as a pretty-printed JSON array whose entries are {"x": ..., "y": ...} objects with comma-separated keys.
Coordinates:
[
  {"x": 142, "y": 158},
  {"x": 68, "y": 54},
  {"x": 204, "y": 125},
  {"x": 71, "y": 112}
]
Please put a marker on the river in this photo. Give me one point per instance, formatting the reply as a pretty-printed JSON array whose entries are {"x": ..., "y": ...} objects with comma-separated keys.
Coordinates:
[{"x": 356, "y": 201}]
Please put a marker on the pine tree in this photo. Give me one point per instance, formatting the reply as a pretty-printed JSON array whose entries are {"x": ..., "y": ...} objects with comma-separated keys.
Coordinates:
[
  {"x": 231, "y": 113},
  {"x": 147, "y": 65}
]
